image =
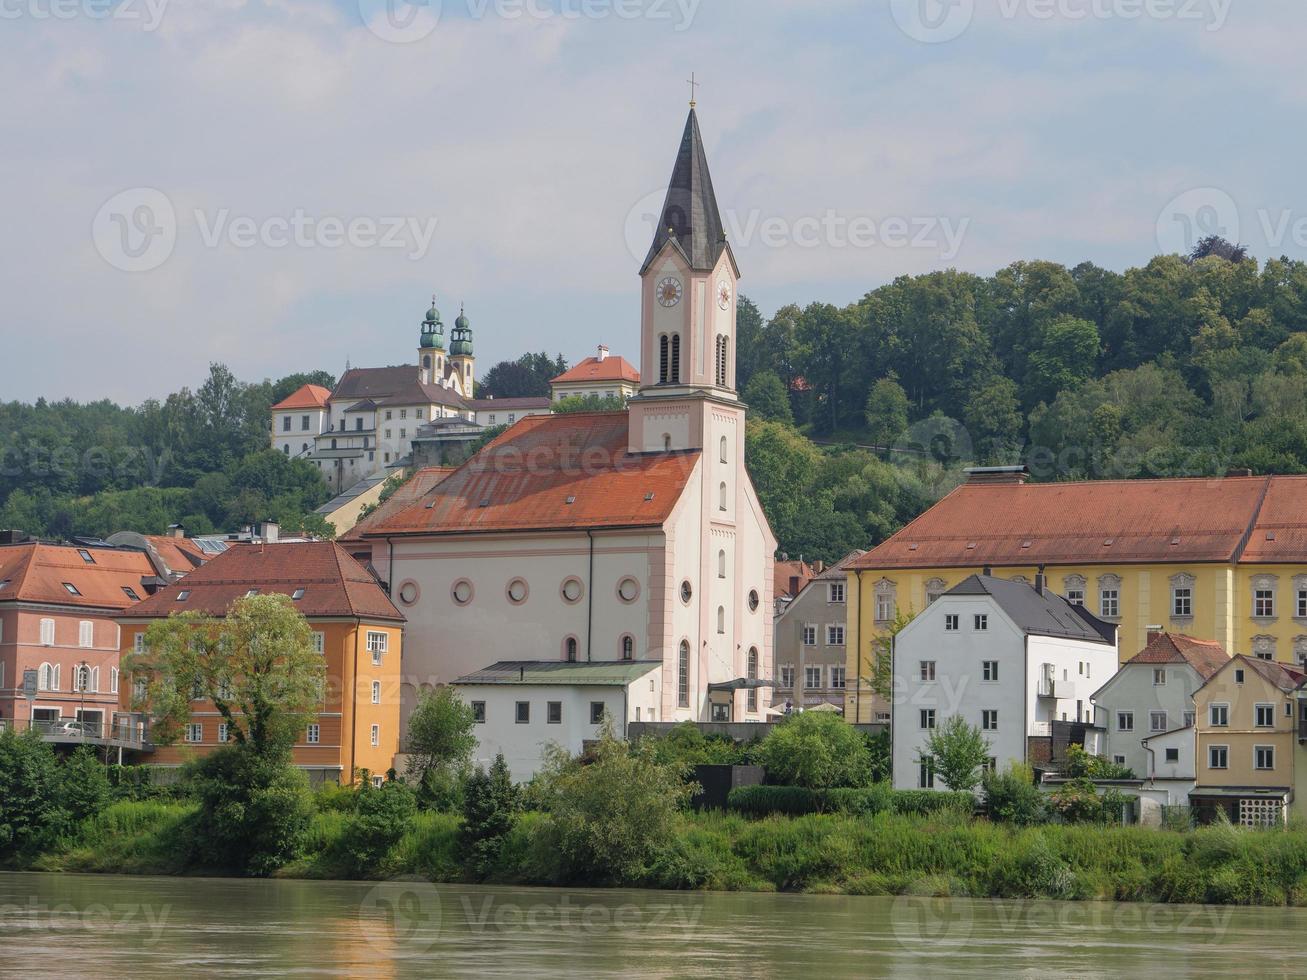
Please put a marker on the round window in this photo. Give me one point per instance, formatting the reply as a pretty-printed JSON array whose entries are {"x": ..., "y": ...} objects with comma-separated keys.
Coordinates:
[
  {"x": 687, "y": 592},
  {"x": 409, "y": 592},
  {"x": 753, "y": 600},
  {"x": 628, "y": 590},
  {"x": 573, "y": 590},
  {"x": 463, "y": 592},
  {"x": 518, "y": 591}
]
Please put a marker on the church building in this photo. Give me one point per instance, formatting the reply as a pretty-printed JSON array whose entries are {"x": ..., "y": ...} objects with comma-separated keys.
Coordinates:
[{"x": 628, "y": 545}]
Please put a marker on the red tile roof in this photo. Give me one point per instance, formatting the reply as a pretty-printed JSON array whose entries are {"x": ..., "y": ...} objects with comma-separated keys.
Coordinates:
[
  {"x": 309, "y": 396},
  {"x": 1205, "y": 656},
  {"x": 179, "y": 554},
  {"x": 37, "y": 573},
  {"x": 790, "y": 577},
  {"x": 417, "y": 486},
  {"x": 1105, "y": 522},
  {"x": 611, "y": 368},
  {"x": 334, "y": 584},
  {"x": 548, "y": 472},
  {"x": 1283, "y": 677}
]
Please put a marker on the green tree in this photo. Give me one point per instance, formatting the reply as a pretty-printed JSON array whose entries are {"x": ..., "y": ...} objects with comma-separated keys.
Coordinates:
[
  {"x": 1066, "y": 356},
  {"x": 886, "y": 412},
  {"x": 32, "y": 813},
  {"x": 610, "y": 818},
  {"x": 817, "y": 750},
  {"x": 441, "y": 738},
  {"x": 589, "y": 403},
  {"x": 84, "y": 788},
  {"x": 767, "y": 399},
  {"x": 957, "y": 752},
  {"x": 382, "y": 816},
  {"x": 256, "y": 665},
  {"x": 1012, "y": 797},
  {"x": 490, "y": 805},
  {"x": 526, "y": 377}
]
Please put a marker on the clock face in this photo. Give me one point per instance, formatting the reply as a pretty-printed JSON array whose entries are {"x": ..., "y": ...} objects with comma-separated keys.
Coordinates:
[
  {"x": 724, "y": 295},
  {"x": 669, "y": 291}
]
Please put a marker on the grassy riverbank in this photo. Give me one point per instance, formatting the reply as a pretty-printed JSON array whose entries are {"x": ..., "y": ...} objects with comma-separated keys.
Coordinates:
[{"x": 884, "y": 854}]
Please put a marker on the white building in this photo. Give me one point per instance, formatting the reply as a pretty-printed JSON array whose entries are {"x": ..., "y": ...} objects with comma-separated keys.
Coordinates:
[
  {"x": 521, "y": 708},
  {"x": 615, "y": 536},
  {"x": 1147, "y": 710},
  {"x": 1010, "y": 658}
]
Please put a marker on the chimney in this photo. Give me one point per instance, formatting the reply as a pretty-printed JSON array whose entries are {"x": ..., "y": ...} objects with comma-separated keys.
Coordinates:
[
  {"x": 1041, "y": 580},
  {"x": 794, "y": 585},
  {"x": 1237, "y": 472},
  {"x": 176, "y": 531},
  {"x": 988, "y": 571},
  {"x": 270, "y": 531},
  {"x": 819, "y": 566},
  {"x": 1155, "y": 632},
  {"x": 1009, "y": 475},
  {"x": 603, "y": 353}
]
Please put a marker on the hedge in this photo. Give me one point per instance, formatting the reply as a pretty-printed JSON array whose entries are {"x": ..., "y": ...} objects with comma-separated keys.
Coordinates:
[{"x": 796, "y": 801}]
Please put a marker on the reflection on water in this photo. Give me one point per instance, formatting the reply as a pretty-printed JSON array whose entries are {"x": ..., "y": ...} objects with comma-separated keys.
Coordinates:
[{"x": 91, "y": 925}]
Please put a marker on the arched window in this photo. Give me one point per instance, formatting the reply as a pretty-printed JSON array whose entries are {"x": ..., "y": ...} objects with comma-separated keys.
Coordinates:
[
  {"x": 628, "y": 648},
  {"x": 721, "y": 493},
  {"x": 683, "y": 675},
  {"x": 676, "y": 358},
  {"x": 722, "y": 452},
  {"x": 45, "y": 678},
  {"x": 721, "y": 564},
  {"x": 662, "y": 359},
  {"x": 752, "y": 674},
  {"x": 113, "y": 680},
  {"x": 721, "y": 619},
  {"x": 570, "y": 649}
]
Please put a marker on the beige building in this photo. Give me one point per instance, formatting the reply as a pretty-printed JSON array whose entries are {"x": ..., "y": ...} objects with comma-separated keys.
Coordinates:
[
  {"x": 1250, "y": 717},
  {"x": 811, "y": 644}
]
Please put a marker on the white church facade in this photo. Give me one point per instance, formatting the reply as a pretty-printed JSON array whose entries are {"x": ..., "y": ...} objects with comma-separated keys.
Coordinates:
[{"x": 609, "y": 539}]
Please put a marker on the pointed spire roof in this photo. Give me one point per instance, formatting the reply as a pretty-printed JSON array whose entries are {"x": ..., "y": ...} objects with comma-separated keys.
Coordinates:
[{"x": 690, "y": 216}]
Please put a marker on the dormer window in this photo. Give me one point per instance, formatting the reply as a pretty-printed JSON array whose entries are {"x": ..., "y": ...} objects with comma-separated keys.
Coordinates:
[{"x": 72, "y": 589}]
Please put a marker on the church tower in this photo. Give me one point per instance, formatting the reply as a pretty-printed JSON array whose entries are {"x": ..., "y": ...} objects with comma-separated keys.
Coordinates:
[
  {"x": 431, "y": 347},
  {"x": 462, "y": 362},
  {"x": 687, "y": 333}
]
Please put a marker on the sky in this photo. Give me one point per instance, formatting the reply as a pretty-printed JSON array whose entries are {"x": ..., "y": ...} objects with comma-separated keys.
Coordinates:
[{"x": 281, "y": 185}]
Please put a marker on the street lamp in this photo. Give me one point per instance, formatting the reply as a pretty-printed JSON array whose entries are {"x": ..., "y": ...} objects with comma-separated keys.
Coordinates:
[{"x": 83, "y": 675}]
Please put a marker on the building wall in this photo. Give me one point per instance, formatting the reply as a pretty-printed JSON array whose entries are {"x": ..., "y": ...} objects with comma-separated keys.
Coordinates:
[
  {"x": 1242, "y": 734},
  {"x": 523, "y": 744},
  {"x": 345, "y": 722},
  {"x": 1133, "y": 690},
  {"x": 291, "y": 443},
  {"x": 21, "y": 649},
  {"x": 812, "y": 607},
  {"x": 1222, "y": 604}
]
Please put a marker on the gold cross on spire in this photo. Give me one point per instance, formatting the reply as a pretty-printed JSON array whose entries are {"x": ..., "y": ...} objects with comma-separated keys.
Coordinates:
[{"x": 693, "y": 86}]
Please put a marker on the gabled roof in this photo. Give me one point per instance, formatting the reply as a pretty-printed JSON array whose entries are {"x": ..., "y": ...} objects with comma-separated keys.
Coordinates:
[
  {"x": 1036, "y": 613},
  {"x": 786, "y": 570},
  {"x": 37, "y": 572},
  {"x": 1204, "y": 656},
  {"x": 1279, "y": 675},
  {"x": 592, "y": 369},
  {"x": 376, "y": 383},
  {"x": 308, "y": 396},
  {"x": 552, "y": 472},
  {"x": 690, "y": 209},
  {"x": 553, "y": 672},
  {"x": 416, "y": 486},
  {"x": 334, "y": 584},
  {"x": 418, "y": 392},
  {"x": 1105, "y": 522}
]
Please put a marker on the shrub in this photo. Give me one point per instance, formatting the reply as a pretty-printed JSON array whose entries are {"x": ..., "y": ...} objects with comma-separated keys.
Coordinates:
[
  {"x": 32, "y": 813},
  {"x": 924, "y": 801},
  {"x": 817, "y": 750},
  {"x": 1082, "y": 765},
  {"x": 609, "y": 818},
  {"x": 381, "y": 817},
  {"x": 765, "y": 801},
  {"x": 685, "y": 747},
  {"x": 1013, "y": 797},
  {"x": 489, "y": 808},
  {"x": 254, "y": 811},
  {"x": 84, "y": 784},
  {"x": 798, "y": 801},
  {"x": 1078, "y": 801}
]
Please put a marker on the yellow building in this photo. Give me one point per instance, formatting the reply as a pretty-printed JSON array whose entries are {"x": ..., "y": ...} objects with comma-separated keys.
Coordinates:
[
  {"x": 1249, "y": 717},
  {"x": 1217, "y": 559},
  {"x": 356, "y": 628}
]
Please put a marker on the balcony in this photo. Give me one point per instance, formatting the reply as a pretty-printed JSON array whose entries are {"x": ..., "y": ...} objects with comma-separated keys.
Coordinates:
[{"x": 125, "y": 732}]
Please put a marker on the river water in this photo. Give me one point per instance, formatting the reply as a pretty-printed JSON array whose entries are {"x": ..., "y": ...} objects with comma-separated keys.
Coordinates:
[{"x": 66, "y": 925}]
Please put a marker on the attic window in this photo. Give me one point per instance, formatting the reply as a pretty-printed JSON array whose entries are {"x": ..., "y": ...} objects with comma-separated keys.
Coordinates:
[
  {"x": 1175, "y": 541},
  {"x": 183, "y": 595},
  {"x": 1108, "y": 542},
  {"x": 298, "y": 594},
  {"x": 1270, "y": 535},
  {"x": 648, "y": 497},
  {"x": 971, "y": 546},
  {"x": 86, "y": 556},
  {"x": 130, "y": 593},
  {"x": 4, "y": 583},
  {"x": 251, "y": 592},
  {"x": 72, "y": 589},
  {"x": 571, "y": 501},
  {"x": 485, "y": 503},
  {"x": 913, "y": 547}
]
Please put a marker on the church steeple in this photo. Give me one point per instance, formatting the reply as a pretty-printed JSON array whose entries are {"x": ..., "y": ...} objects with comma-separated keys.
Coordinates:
[{"x": 690, "y": 215}]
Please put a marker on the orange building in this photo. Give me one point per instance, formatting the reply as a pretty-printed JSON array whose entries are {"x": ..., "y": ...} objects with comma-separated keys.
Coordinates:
[{"x": 355, "y": 626}]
